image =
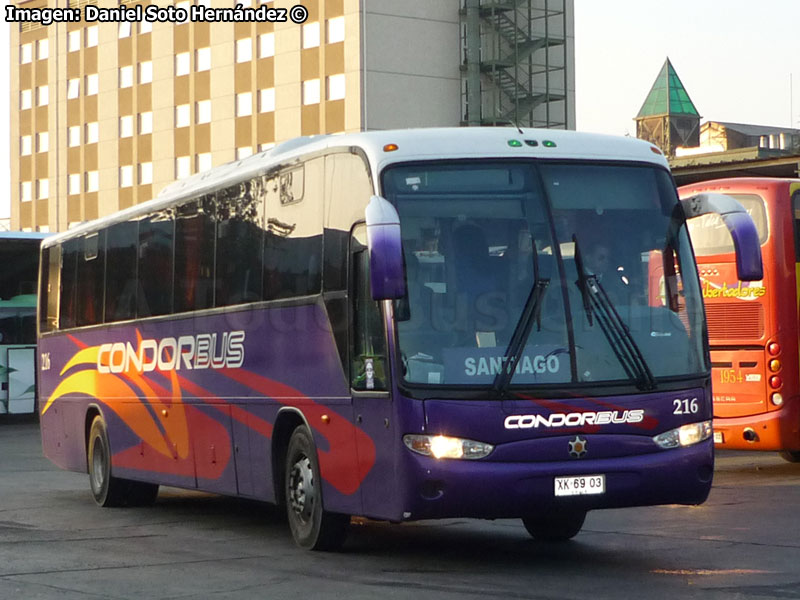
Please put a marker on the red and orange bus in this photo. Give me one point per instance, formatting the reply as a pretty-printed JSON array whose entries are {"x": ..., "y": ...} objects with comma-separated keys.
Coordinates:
[{"x": 753, "y": 326}]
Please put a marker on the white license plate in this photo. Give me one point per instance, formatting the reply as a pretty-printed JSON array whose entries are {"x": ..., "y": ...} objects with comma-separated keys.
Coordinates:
[
  {"x": 580, "y": 485},
  {"x": 718, "y": 437}
]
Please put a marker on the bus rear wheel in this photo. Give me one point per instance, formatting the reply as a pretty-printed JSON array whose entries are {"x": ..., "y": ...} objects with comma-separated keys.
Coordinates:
[
  {"x": 557, "y": 526},
  {"x": 312, "y": 527},
  {"x": 107, "y": 490}
]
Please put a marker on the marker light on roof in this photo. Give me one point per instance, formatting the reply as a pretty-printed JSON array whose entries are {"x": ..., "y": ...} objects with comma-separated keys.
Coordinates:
[
  {"x": 655, "y": 150},
  {"x": 515, "y": 143},
  {"x": 391, "y": 147},
  {"x": 548, "y": 143}
]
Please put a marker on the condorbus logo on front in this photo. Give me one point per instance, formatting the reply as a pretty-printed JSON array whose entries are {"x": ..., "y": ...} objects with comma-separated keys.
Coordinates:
[
  {"x": 576, "y": 419},
  {"x": 188, "y": 352}
]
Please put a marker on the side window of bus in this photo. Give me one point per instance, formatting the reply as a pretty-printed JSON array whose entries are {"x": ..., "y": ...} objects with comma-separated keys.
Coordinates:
[
  {"x": 195, "y": 237},
  {"x": 154, "y": 292},
  {"x": 293, "y": 241},
  {"x": 121, "y": 263},
  {"x": 369, "y": 369},
  {"x": 90, "y": 284},
  {"x": 70, "y": 251},
  {"x": 240, "y": 236},
  {"x": 48, "y": 294}
]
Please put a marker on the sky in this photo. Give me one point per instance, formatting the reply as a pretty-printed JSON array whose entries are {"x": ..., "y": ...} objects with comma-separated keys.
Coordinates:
[{"x": 736, "y": 59}]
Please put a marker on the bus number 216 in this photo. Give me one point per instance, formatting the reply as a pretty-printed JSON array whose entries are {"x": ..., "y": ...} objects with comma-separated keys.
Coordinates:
[{"x": 685, "y": 406}]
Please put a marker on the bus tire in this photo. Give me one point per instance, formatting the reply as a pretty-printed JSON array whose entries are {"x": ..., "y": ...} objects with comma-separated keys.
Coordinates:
[
  {"x": 792, "y": 456},
  {"x": 107, "y": 490},
  {"x": 558, "y": 526},
  {"x": 312, "y": 527}
]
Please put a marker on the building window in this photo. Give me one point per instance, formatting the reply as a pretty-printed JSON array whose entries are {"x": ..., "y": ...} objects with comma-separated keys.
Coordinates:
[
  {"x": 42, "y": 49},
  {"x": 244, "y": 152},
  {"x": 202, "y": 60},
  {"x": 244, "y": 104},
  {"x": 266, "y": 100},
  {"x": 266, "y": 45},
  {"x": 92, "y": 181},
  {"x": 244, "y": 50},
  {"x": 335, "y": 30},
  {"x": 145, "y": 173},
  {"x": 183, "y": 167},
  {"x": 42, "y": 189},
  {"x": 311, "y": 91},
  {"x": 74, "y": 186},
  {"x": 335, "y": 84},
  {"x": 203, "y": 162},
  {"x": 74, "y": 40},
  {"x": 311, "y": 35},
  {"x": 42, "y": 95},
  {"x": 126, "y": 76},
  {"x": 73, "y": 88},
  {"x": 126, "y": 126},
  {"x": 25, "y": 53},
  {"x": 43, "y": 228},
  {"x": 184, "y": 4},
  {"x": 25, "y": 99},
  {"x": 145, "y": 123},
  {"x": 92, "y": 84},
  {"x": 202, "y": 111},
  {"x": 42, "y": 142},
  {"x": 145, "y": 27},
  {"x": 74, "y": 136},
  {"x": 92, "y": 132},
  {"x": 91, "y": 36},
  {"x": 182, "y": 63},
  {"x": 182, "y": 116},
  {"x": 25, "y": 191},
  {"x": 25, "y": 145},
  {"x": 124, "y": 29},
  {"x": 126, "y": 176},
  {"x": 267, "y": 146},
  {"x": 146, "y": 72}
]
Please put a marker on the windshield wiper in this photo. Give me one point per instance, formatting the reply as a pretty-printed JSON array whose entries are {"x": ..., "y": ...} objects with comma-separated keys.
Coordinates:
[
  {"x": 613, "y": 327},
  {"x": 532, "y": 312}
]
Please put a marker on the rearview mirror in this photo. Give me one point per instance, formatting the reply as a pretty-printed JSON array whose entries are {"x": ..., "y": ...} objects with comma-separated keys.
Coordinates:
[
  {"x": 741, "y": 227},
  {"x": 385, "y": 250}
]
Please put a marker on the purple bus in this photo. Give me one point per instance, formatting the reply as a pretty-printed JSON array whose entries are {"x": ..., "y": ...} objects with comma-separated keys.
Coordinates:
[{"x": 399, "y": 325}]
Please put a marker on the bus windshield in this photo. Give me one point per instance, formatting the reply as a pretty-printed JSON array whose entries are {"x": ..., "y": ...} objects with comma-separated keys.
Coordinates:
[
  {"x": 541, "y": 274},
  {"x": 710, "y": 236}
]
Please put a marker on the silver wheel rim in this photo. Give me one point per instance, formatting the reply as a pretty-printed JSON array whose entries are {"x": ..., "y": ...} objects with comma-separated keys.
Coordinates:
[
  {"x": 98, "y": 465},
  {"x": 302, "y": 494}
]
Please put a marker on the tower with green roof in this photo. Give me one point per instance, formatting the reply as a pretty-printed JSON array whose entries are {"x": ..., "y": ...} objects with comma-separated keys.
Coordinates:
[{"x": 668, "y": 118}]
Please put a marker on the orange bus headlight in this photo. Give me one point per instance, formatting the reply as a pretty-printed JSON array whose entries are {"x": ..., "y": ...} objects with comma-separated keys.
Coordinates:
[
  {"x": 775, "y": 381},
  {"x": 774, "y": 365},
  {"x": 777, "y": 399},
  {"x": 774, "y": 348}
]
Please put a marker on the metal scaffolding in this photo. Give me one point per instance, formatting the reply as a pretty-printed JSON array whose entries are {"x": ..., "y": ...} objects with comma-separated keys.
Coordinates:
[{"x": 515, "y": 61}]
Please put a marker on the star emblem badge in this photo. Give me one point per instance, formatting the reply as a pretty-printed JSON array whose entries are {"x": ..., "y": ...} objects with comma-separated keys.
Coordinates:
[{"x": 577, "y": 447}]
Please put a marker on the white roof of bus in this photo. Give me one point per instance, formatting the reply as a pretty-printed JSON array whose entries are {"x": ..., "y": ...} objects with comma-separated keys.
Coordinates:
[{"x": 412, "y": 144}]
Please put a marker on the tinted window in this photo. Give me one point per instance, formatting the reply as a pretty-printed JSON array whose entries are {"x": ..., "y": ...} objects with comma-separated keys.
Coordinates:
[
  {"x": 710, "y": 235},
  {"x": 293, "y": 244},
  {"x": 240, "y": 237},
  {"x": 194, "y": 255},
  {"x": 155, "y": 265},
  {"x": 70, "y": 252},
  {"x": 91, "y": 268},
  {"x": 121, "y": 273}
]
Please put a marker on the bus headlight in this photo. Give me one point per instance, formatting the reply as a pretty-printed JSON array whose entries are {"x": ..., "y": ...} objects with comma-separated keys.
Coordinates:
[
  {"x": 686, "y": 435},
  {"x": 442, "y": 446}
]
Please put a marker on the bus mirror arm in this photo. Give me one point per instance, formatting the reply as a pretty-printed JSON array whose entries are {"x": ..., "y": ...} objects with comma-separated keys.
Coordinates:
[
  {"x": 742, "y": 229},
  {"x": 387, "y": 281}
]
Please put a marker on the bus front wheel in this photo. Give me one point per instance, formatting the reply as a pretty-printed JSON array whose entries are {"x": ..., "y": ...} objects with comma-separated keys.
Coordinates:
[
  {"x": 312, "y": 527},
  {"x": 792, "y": 456},
  {"x": 555, "y": 527},
  {"x": 108, "y": 490}
]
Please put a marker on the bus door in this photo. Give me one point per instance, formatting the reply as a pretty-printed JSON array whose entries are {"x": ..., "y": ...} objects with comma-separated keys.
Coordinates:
[{"x": 369, "y": 382}]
